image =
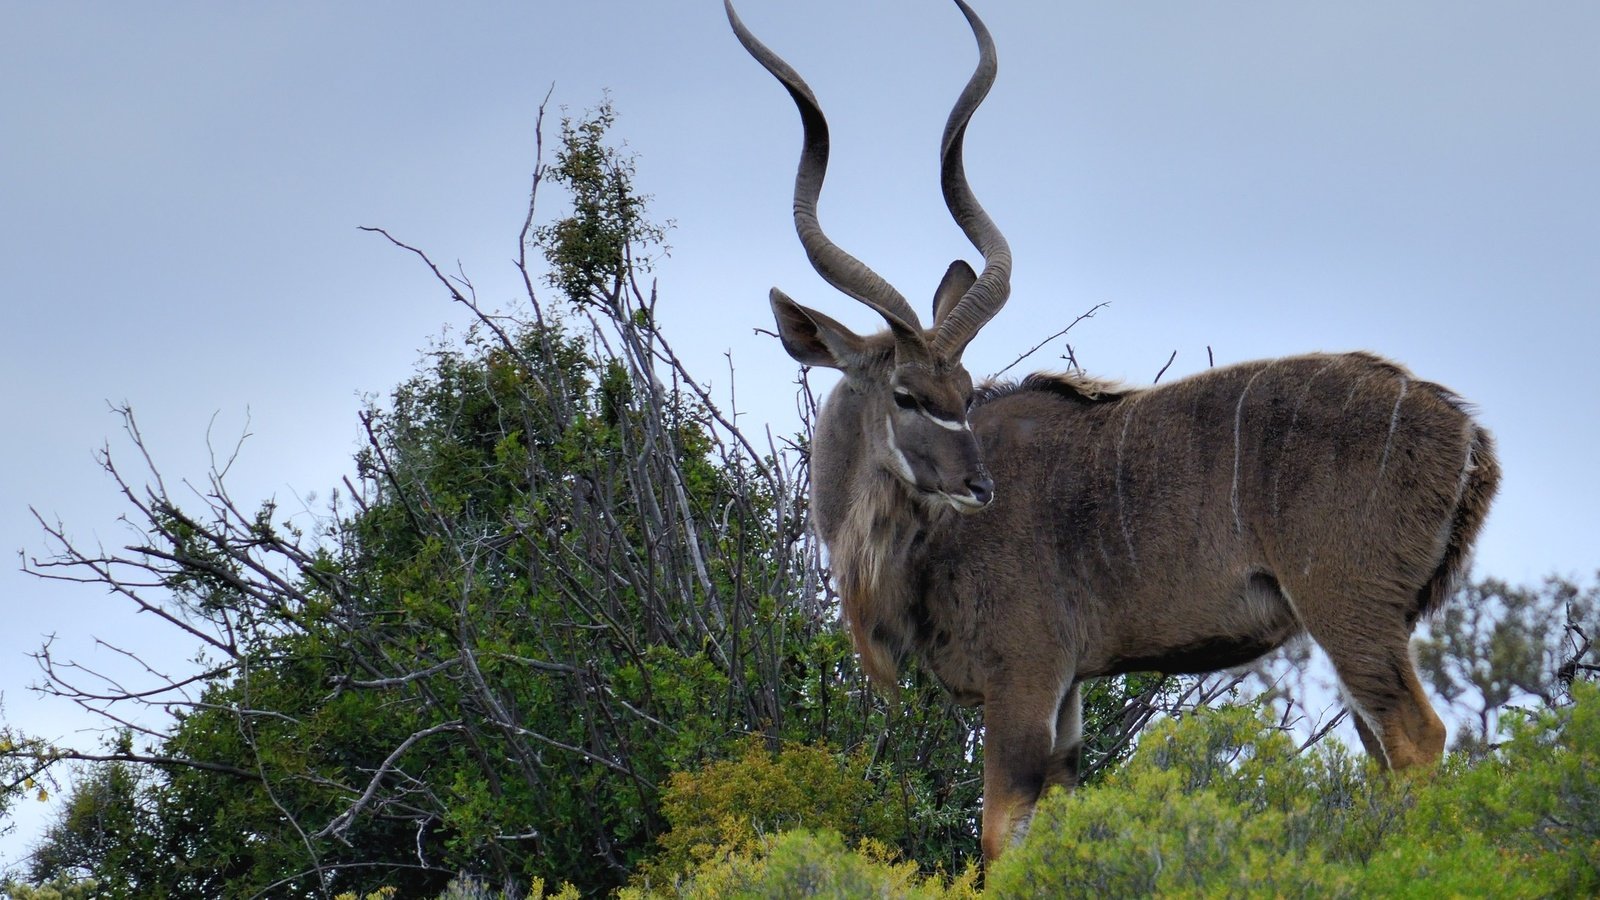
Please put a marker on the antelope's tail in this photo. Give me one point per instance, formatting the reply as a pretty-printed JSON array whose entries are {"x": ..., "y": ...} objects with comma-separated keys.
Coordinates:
[{"x": 1480, "y": 479}]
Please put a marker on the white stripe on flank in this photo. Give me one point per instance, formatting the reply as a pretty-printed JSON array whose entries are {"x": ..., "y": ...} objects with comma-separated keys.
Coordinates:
[
  {"x": 1388, "y": 442},
  {"x": 1394, "y": 420},
  {"x": 1238, "y": 419}
]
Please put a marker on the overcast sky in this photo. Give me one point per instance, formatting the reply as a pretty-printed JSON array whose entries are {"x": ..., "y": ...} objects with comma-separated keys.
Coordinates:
[{"x": 181, "y": 185}]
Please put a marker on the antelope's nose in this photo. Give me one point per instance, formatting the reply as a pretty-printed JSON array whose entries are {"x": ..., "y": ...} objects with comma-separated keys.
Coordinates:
[{"x": 982, "y": 489}]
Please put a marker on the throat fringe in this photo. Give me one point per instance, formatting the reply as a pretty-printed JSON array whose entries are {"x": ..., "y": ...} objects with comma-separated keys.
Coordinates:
[{"x": 871, "y": 568}]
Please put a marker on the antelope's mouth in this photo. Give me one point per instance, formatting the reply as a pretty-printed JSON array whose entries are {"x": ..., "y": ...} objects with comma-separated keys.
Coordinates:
[{"x": 965, "y": 503}]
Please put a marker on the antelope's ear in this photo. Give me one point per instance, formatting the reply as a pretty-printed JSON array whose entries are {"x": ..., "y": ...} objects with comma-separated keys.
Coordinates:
[
  {"x": 812, "y": 338},
  {"x": 957, "y": 280}
]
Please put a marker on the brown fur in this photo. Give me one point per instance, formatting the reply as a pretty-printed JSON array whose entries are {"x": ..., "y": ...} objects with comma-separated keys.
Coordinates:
[
  {"x": 1019, "y": 539},
  {"x": 1072, "y": 386},
  {"x": 1180, "y": 528}
]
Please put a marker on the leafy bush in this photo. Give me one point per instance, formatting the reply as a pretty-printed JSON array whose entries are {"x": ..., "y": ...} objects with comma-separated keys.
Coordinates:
[
  {"x": 61, "y": 887},
  {"x": 1527, "y": 817},
  {"x": 560, "y": 574},
  {"x": 806, "y": 863},
  {"x": 732, "y": 805},
  {"x": 1221, "y": 804},
  {"x": 1211, "y": 803}
]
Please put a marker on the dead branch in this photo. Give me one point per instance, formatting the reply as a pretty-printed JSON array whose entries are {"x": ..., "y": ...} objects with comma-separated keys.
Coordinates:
[{"x": 1035, "y": 348}]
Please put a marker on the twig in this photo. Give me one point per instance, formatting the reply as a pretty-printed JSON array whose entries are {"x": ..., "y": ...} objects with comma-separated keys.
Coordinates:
[
  {"x": 341, "y": 823},
  {"x": 1164, "y": 368},
  {"x": 1031, "y": 350}
]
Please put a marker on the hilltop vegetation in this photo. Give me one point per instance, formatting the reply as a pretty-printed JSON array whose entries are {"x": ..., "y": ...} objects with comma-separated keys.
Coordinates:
[{"x": 1223, "y": 804}]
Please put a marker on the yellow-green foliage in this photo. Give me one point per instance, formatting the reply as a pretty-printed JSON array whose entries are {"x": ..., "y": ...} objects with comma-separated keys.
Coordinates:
[
  {"x": 1209, "y": 805},
  {"x": 1220, "y": 805},
  {"x": 465, "y": 888},
  {"x": 806, "y": 863},
  {"x": 62, "y": 887},
  {"x": 566, "y": 892},
  {"x": 383, "y": 893},
  {"x": 1529, "y": 814},
  {"x": 729, "y": 806}
]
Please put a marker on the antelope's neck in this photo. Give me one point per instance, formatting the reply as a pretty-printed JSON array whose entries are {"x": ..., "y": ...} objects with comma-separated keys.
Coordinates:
[
  {"x": 873, "y": 525},
  {"x": 871, "y": 555},
  {"x": 880, "y": 536}
]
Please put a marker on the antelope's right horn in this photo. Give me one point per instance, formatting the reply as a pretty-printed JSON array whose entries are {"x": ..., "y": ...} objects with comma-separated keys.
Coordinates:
[{"x": 837, "y": 267}]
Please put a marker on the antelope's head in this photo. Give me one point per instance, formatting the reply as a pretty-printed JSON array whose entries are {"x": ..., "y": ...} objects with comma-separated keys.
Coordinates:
[{"x": 911, "y": 391}]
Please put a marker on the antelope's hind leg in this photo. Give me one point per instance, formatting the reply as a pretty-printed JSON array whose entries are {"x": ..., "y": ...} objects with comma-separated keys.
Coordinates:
[
  {"x": 1369, "y": 646},
  {"x": 1411, "y": 714}
]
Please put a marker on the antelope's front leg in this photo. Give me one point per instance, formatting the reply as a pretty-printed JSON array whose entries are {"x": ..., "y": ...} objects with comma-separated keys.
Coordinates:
[{"x": 1018, "y": 761}]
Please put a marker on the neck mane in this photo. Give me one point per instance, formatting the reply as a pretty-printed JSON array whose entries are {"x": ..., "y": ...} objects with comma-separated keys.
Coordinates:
[{"x": 870, "y": 552}]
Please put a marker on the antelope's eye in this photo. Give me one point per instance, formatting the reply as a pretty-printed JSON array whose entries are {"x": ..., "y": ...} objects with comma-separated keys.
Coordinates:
[{"x": 904, "y": 400}]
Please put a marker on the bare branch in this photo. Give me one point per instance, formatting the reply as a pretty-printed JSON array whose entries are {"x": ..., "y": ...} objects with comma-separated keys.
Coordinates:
[
  {"x": 1035, "y": 348},
  {"x": 1157, "y": 379},
  {"x": 341, "y": 823}
]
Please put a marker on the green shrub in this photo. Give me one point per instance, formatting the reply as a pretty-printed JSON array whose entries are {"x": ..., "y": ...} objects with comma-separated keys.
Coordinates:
[
  {"x": 805, "y": 863},
  {"x": 61, "y": 887},
  {"x": 465, "y": 888},
  {"x": 383, "y": 893},
  {"x": 1222, "y": 804},
  {"x": 728, "y": 807},
  {"x": 1527, "y": 817},
  {"x": 1214, "y": 804},
  {"x": 1218, "y": 804}
]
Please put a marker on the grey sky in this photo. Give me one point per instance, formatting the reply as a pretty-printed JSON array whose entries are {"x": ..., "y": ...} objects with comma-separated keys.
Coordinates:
[{"x": 180, "y": 186}]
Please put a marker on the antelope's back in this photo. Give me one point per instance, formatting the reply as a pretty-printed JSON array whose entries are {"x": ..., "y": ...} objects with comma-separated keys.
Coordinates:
[{"x": 1314, "y": 469}]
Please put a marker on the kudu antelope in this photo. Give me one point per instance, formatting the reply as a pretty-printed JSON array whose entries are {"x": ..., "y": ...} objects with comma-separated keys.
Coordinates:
[{"x": 1018, "y": 539}]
